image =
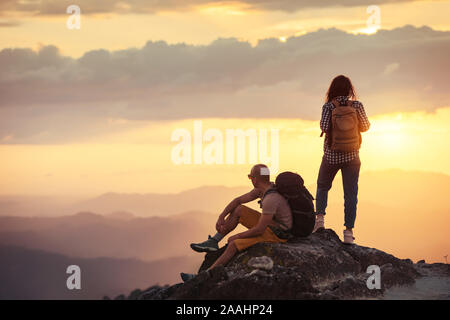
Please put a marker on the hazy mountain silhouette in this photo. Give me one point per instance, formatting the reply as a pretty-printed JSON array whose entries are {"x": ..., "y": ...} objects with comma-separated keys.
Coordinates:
[
  {"x": 89, "y": 235},
  {"x": 403, "y": 212},
  {"x": 35, "y": 274},
  {"x": 210, "y": 199},
  {"x": 148, "y": 204},
  {"x": 396, "y": 188},
  {"x": 30, "y": 205}
]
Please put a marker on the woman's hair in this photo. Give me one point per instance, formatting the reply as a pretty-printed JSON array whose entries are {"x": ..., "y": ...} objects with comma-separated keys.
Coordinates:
[{"x": 340, "y": 86}]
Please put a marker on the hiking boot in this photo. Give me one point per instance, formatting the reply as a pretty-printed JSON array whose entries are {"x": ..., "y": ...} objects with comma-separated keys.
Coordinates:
[
  {"x": 209, "y": 245},
  {"x": 187, "y": 276},
  {"x": 320, "y": 222},
  {"x": 348, "y": 237}
]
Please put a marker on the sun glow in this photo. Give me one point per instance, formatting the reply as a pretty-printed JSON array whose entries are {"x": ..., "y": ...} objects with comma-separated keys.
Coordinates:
[
  {"x": 367, "y": 30},
  {"x": 389, "y": 133},
  {"x": 230, "y": 9},
  {"x": 139, "y": 159}
]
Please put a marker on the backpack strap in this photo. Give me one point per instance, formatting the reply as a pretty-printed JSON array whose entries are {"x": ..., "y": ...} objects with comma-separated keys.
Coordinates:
[
  {"x": 284, "y": 232},
  {"x": 306, "y": 193},
  {"x": 270, "y": 190}
]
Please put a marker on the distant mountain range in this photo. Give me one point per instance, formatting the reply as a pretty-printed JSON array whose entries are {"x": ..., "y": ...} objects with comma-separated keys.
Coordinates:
[
  {"x": 89, "y": 235},
  {"x": 390, "y": 203},
  {"x": 148, "y": 235},
  {"x": 394, "y": 187},
  {"x": 36, "y": 274},
  {"x": 209, "y": 199}
]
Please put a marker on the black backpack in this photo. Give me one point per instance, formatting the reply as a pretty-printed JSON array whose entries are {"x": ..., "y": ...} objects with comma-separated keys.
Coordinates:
[{"x": 291, "y": 186}]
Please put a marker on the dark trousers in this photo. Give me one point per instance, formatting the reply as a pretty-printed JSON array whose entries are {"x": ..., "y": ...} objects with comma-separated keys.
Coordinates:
[{"x": 350, "y": 175}]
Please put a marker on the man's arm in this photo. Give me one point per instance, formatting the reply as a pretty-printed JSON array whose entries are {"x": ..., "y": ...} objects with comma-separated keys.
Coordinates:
[
  {"x": 269, "y": 208},
  {"x": 250, "y": 196},
  {"x": 247, "y": 197}
]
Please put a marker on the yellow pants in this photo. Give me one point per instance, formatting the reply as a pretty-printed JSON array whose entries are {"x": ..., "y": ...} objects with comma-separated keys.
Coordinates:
[{"x": 249, "y": 218}]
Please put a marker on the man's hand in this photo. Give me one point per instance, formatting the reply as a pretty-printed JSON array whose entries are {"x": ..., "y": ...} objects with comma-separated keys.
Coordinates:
[
  {"x": 235, "y": 237},
  {"x": 220, "y": 225}
]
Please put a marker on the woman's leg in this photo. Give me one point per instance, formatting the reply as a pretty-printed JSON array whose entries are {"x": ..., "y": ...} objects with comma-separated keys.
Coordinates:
[
  {"x": 350, "y": 176},
  {"x": 327, "y": 172}
]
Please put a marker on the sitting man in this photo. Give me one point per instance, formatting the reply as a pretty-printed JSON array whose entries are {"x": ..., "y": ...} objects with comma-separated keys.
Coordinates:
[{"x": 270, "y": 226}]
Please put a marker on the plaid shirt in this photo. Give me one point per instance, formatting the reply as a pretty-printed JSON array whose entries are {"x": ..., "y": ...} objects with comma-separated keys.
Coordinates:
[{"x": 336, "y": 157}]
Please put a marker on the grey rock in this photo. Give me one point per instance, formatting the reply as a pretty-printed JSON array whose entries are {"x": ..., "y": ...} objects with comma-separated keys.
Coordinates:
[
  {"x": 135, "y": 295},
  {"x": 316, "y": 267},
  {"x": 264, "y": 263}
]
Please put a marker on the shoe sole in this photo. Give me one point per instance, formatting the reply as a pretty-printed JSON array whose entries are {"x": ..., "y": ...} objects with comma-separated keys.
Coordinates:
[{"x": 198, "y": 248}]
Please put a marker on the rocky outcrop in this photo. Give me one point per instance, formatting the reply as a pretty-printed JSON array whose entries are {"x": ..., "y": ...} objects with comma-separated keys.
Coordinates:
[{"x": 317, "y": 267}]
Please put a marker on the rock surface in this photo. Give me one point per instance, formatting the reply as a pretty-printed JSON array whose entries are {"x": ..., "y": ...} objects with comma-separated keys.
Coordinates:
[
  {"x": 264, "y": 263},
  {"x": 317, "y": 267}
]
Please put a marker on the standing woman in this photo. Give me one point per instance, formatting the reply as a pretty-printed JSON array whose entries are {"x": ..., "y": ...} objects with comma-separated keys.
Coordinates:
[{"x": 342, "y": 121}]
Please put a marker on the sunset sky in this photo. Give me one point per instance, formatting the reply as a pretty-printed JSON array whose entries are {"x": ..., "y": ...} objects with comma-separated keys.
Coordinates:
[{"x": 93, "y": 110}]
